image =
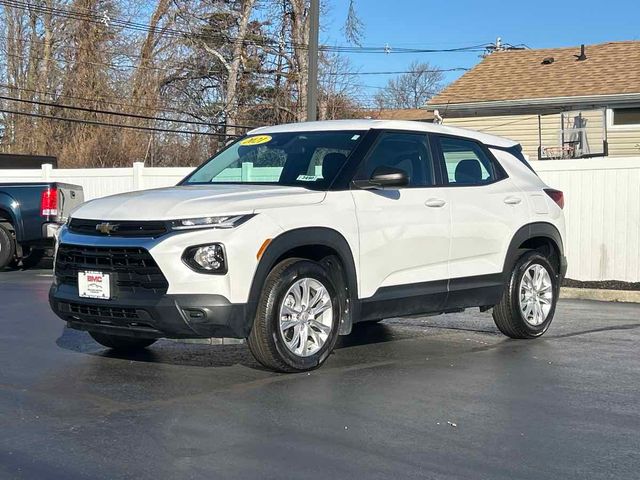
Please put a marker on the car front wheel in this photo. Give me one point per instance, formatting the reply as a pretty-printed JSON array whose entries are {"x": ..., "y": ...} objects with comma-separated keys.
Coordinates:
[
  {"x": 296, "y": 324},
  {"x": 529, "y": 301}
]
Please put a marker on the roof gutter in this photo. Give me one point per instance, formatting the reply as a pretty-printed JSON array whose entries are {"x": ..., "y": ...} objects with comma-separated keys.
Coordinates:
[{"x": 534, "y": 105}]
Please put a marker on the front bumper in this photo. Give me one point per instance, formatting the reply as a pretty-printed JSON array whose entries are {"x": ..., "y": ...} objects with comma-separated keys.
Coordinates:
[{"x": 151, "y": 315}]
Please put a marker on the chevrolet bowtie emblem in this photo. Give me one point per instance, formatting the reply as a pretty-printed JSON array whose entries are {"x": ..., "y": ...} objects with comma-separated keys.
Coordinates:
[{"x": 106, "y": 228}]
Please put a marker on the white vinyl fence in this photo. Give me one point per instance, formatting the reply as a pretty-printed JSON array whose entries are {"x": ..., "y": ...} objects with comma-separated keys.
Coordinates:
[
  {"x": 602, "y": 210},
  {"x": 602, "y": 197},
  {"x": 100, "y": 182}
]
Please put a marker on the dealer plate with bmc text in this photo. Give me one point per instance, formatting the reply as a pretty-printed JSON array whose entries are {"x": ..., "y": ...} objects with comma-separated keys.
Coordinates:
[{"x": 94, "y": 285}]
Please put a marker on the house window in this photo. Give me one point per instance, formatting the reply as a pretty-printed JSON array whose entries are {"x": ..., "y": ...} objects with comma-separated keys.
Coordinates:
[{"x": 626, "y": 116}]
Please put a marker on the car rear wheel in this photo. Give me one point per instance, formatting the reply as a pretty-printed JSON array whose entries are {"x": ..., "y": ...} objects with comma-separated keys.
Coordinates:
[
  {"x": 296, "y": 324},
  {"x": 529, "y": 301},
  {"x": 7, "y": 247},
  {"x": 121, "y": 343}
]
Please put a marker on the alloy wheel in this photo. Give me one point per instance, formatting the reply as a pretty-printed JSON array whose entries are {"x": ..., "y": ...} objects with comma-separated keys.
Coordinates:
[
  {"x": 536, "y": 294},
  {"x": 306, "y": 317}
]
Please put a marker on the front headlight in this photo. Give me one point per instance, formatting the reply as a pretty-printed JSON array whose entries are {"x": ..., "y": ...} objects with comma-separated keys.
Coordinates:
[
  {"x": 210, "y": 222},
  {"x": 209, "y": 258}
]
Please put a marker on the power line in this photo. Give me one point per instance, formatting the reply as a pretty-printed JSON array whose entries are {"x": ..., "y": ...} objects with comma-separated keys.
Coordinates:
[
  {"x": 360, "y": 97},
  {"x": 106, "y": 21},
  {"x": 115, "y": 125},
  {"x": 389, "y": 50},
  {"x": 110, "y": 65},
  {"x": 244, "y": 72},
  {"x": 402, "y": 72},
  {"x": 121, "y": 114},
  {"x": 101, "y": 99}
]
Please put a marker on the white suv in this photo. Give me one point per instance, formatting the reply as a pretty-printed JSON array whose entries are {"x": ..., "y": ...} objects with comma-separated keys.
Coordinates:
[{"x": 294, "y": 233}]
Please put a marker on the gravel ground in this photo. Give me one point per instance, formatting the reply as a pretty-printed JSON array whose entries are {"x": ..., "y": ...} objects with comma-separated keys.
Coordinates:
[{"x": 604, "y": 284}]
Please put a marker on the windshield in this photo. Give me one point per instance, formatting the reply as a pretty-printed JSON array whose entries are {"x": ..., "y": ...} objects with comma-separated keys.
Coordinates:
[{"x": 305, "y": 159}]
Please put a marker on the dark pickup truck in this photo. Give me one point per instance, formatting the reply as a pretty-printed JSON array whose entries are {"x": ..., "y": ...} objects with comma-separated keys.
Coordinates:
[{"x": 30, "y": 215}]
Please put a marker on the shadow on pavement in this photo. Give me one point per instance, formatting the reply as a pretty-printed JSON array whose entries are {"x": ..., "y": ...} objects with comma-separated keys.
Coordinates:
[
  {"x": 202, "y": 355},
  {"x": 44, "y": 264},
  {"x": 366, "y": 334},
  {"x": 164, "y": 351}
]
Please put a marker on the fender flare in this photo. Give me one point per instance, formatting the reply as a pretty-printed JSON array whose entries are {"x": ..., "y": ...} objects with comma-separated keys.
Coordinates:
[
  {"x": 306, "y": 237},
  {"x": 7, "y": 207},
  {"x": 527, "y": 232}
]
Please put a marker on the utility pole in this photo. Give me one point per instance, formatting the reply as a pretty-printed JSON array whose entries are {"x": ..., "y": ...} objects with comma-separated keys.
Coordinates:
[{"x": 312, "y": 83}]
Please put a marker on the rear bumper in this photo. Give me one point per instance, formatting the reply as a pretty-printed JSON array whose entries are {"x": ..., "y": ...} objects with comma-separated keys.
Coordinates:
[
  {"x": 152, "y": 316},
  {"x": 50, "y": 230}
]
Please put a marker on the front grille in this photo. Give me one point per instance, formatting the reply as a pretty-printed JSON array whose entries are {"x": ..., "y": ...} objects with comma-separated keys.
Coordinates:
[
  {"x": 107, "y": 316},
  {"x": 102, "y": 311},
  {"x": 102, "y": 228},
  {"x": 134, "y": 269}
]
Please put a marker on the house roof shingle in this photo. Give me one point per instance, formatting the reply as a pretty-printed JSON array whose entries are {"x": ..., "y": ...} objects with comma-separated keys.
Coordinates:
[
  {"x": 414, "y": 114},
  {"x": 610, "y": 68}
]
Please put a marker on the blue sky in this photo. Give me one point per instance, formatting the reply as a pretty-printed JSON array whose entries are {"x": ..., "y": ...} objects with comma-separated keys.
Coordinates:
[{"x": 460, "y": 23}]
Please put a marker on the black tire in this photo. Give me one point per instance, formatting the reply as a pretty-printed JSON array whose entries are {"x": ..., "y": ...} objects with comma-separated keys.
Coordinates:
[
  {"x": 33, "y": 258},
  {"x": 508, "y": 316},
  {"x": 122, "y": 343},
  {"x": 265, "y": 340},
  {"x": 7, "y": 247}
]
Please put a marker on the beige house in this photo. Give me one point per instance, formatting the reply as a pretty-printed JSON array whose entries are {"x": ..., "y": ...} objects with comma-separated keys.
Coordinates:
[
  {"x": 572, "y": 102},
  {"x": 413, "y": 114}
]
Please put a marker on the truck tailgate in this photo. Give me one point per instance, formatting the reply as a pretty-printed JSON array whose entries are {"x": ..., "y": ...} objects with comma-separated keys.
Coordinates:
[{"x": 69, "y": 197}]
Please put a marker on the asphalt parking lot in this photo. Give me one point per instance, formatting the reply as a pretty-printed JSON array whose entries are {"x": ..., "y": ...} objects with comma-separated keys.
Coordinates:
[{"x": 441, "y": 397}]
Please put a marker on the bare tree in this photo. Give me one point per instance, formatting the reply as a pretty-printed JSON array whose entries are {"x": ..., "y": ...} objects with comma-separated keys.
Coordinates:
[
  {"x": 219, "y": 44},
  {"x": 353, "y": 26},
  {"x": 74, "y": 71},
  {"x": 411, "y": 90},
  {"x": 299, "y": 25},
  {"x": 337, "y": 89}
]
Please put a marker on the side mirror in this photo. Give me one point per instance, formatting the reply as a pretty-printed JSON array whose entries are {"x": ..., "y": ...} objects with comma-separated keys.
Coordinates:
[{"x": 384, "y": 177}]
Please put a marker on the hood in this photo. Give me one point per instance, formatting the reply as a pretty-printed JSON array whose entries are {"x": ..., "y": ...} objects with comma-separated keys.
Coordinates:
[{"x": 195, "y": 201}]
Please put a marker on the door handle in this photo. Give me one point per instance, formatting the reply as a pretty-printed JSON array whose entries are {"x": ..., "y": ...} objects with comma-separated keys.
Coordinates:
[
  {"x": 512, "y": 200},
  {"x": 435, "y": 203}
]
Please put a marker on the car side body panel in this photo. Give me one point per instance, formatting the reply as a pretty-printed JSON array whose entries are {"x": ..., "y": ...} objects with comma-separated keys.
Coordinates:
[
  {"x": 541, "y": 207},
  {"x": 402, "y": 240},
  {"x": 482, "y": 226}
]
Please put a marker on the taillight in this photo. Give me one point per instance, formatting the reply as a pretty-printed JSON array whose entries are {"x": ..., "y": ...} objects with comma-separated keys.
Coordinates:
[
  {"x": 556, "y": 195},
  {"x": 49, "y": 202}
]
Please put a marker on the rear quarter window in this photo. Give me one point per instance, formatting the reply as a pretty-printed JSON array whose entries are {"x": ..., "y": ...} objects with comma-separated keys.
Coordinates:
[
  {"x": 467, "y": 163},
  {"x": 516, "y": 151}
]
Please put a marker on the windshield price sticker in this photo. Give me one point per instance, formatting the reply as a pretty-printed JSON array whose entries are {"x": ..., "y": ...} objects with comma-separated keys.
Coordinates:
[
  {"x": 308, "y": 178},
  {"x": 258, "y": 140}
]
